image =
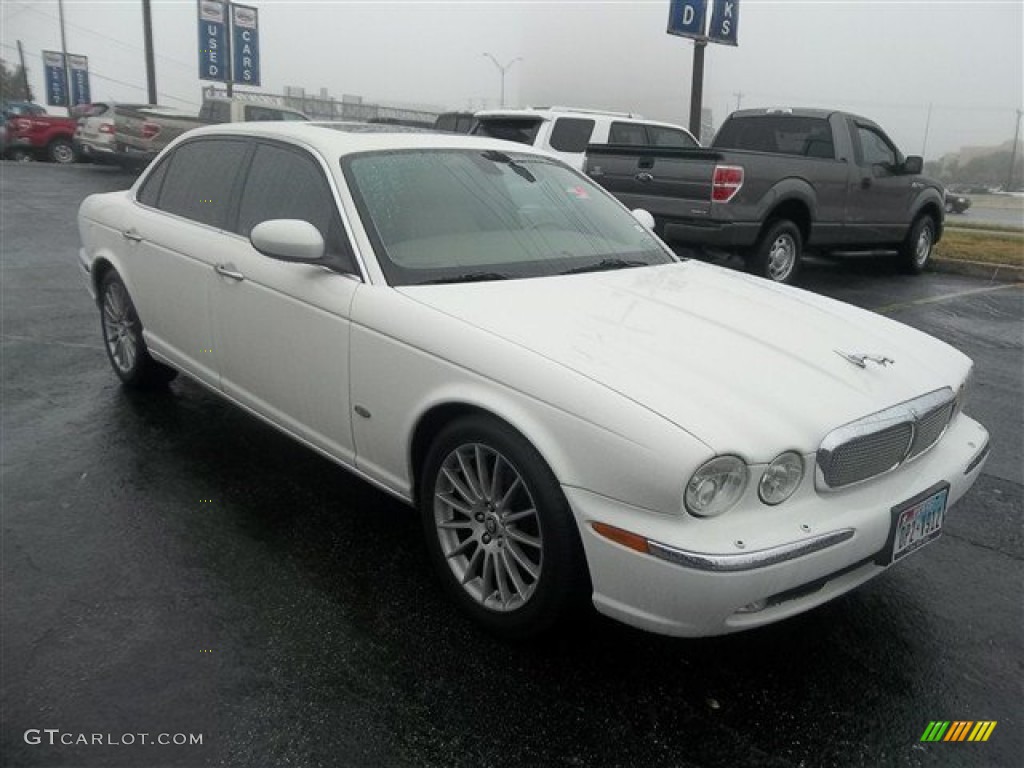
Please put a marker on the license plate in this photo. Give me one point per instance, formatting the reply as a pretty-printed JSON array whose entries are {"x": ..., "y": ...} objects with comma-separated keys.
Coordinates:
[{"x": 917, "y": 522}]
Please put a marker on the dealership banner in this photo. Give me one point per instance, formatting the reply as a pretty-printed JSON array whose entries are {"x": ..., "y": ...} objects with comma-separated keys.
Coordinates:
[
  {"x": 687, "y": 18},
  {"x": 725, "y": 22},
  {"x": 56, "y": 79},
  {"x": 80, "y": 92},
  {"x": 245, "y": 45},
  {"x": 213, "y": 41}
]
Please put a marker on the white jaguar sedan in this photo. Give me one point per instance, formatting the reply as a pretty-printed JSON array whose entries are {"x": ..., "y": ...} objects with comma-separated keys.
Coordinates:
[{"x": 479, "y": 330}]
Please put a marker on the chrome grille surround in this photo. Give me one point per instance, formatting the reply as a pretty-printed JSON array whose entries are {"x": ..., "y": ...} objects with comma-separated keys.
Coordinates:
[{"x": 881, "y": 442}]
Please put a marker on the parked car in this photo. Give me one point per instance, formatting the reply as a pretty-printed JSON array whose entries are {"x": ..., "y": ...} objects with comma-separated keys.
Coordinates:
[
  {"x": 955, "y": 202},
  {"x": 31, "y": 133},
  {"x": 566, "y": 132},
  {"x": 481, "y": 331},
  {"x": 95, "y": 135},
  {"x": 775, "y": 182},
  {"x": 143, "y": 131}
]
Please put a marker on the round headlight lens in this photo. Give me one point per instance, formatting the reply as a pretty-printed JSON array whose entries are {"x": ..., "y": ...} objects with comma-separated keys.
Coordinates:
[
  {"x": 781, "y": 478},
  {"x": 716, "y": 486}
]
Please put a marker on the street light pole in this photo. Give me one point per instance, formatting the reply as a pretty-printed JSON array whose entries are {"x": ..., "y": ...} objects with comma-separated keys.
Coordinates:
[
  {"x": 1013, "y": 154},
  {"x": 503, "y": 70}
]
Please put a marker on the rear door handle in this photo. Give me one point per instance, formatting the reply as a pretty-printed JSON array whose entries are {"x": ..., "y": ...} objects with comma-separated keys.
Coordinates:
[
  {"x": 225, "y": 270},
  {"x": 132, "y": 234}
]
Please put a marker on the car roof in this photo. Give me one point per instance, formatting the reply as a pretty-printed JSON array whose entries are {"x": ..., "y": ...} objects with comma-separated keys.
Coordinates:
[
  {"x": 344, "y": 138},
  {"x": 550, "y": 113}
]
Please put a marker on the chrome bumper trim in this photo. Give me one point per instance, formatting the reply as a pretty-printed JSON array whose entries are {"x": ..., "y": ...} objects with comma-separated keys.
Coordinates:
[
  {"x": 748, "y": 561},
  {"x": 979, "y": 457}
]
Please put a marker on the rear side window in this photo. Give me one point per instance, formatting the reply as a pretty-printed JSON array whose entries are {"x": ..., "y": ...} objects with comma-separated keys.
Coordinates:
[
  {"x": 783, "y": 134},
  {"x": 200, "y": 179},
  {"x": 523, "y": 130},
  {"x": 285, "y": 183},
  {"x": 669, "y": 137},
  {"x": 149, "y": 192},
  {"x": 571, "y": 134},
  {"x": 627, "y": 133}
]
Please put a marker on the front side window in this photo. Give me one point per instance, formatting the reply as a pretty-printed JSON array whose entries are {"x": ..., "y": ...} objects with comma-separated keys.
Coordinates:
[
  {"x": 875, "y": 150},
  {"x": 571, "y": 134},
  {"x": 451, "y": 215},
  {"x": 286, "y": 183},
  {"x": 200, "y": 179}
]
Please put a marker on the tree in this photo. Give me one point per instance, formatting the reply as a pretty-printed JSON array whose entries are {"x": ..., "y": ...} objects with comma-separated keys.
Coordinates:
[{"x": 12, "y": 84}]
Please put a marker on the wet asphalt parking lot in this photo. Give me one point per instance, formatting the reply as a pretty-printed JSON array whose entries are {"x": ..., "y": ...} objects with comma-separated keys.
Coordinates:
[{"x": 171, "y": 565}]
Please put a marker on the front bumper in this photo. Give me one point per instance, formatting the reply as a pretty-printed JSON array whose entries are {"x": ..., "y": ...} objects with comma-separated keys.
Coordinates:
[{"x": 748, "y": 568}]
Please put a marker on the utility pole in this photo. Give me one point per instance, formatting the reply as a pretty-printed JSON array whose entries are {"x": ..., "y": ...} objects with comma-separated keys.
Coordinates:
[
  {"x": 64, "y": 52},
  {"x": 739, "y": 99},
  {"x": 1013, "y": 154},
  {"x": 147, "y": 32},
  {"x": 24, "y": 72},
  {"x": 697, "y": 86}
]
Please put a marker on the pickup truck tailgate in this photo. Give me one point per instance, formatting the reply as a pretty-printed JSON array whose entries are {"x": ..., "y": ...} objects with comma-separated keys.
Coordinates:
[{"x": 667, "y": 182}]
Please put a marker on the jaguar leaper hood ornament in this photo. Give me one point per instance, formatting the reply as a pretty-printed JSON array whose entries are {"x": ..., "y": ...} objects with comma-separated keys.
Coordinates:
[{"x": 861, "y": 359}]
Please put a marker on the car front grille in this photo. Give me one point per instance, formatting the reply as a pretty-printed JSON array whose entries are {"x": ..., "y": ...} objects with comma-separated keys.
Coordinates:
[{"x": 879, "y": 443}]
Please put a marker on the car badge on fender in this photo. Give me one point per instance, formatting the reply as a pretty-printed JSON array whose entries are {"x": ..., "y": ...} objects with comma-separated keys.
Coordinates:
[{"x": 861, "y": 359}]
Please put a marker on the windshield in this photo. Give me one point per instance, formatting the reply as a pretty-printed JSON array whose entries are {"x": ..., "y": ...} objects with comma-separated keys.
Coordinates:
[
  {"x": 459, "y": 215},
  {"x": 522, "y": 130}
]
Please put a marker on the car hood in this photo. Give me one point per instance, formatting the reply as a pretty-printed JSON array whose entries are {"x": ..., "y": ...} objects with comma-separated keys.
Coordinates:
[{"x": 742, "y": 364}]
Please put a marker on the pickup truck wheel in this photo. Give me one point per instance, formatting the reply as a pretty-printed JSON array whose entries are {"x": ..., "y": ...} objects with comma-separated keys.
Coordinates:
[
  {"x": 61, "y": 151},
  {"x": 917, "y": 248},
  {"x": 21, "y": 156},
  {"x": 499, "y": 530},
  {"x": 777, "y": 254},
  {"x": 122, "y": 338}
]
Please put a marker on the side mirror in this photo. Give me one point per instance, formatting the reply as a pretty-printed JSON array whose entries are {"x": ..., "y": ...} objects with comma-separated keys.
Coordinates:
[
  {"x": 288, "y": 240},
  {"x": 913, "y": 165},
  {"x": 644, "y": 217}
]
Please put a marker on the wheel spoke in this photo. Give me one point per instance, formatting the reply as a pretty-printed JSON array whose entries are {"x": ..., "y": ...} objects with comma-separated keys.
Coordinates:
[
  {"x": 525, "y": 538},
  {"x": 495, "y": 477},
  {"x": 500, "y": 576},
  {"x": 522, "y": 560},
  {"x": 448, "y": 500},
  {"x": 483, "y": 480},
  {"x": 511, "y": 517},
  {"x": 471, "y": 478},
  {"x": 508, "y": 494},
  {"x": 461, "y": 548},
  {"x": 458, "y": 485},
  {"x": 455, "y": 525},
  {"x": 513, "y": 573},
  {"x": 472, "y": 567},
  {"x": 487, "y": 582}
]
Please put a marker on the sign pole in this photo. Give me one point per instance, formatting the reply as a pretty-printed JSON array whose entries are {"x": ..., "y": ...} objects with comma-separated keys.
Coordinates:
[
  {"x": 697, "y": 86},
  {"x": 24, "y": 73},
  {"x": 147, "y": 31},
  {"x": 228, "y": 36},
  {"x": 64, "y": 52}
]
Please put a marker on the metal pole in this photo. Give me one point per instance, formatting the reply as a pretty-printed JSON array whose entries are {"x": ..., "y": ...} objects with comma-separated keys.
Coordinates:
[
  {"x": 697, "y": 86},
  {"x": 1013, "y": 154},
  {"x": 24, "y": 73},
  {"x": 231, "y": 61},
  {"x": 502, "y": 87},
  {"x": 147, "y": 32},
  {"x": 64, "y": 52}
]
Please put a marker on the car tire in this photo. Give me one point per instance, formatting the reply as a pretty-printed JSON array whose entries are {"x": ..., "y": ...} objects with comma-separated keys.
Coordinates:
[
  {"x": 499, "y": 531},
  {"x": 123, "y": 340},
  {"x": 61, "y": 151},
  {"x": 949, "y": 208},
  {"x": 916, "y": 251},
  {"x": 21, "y": 155},
  {"x": 778, "y": 252}
]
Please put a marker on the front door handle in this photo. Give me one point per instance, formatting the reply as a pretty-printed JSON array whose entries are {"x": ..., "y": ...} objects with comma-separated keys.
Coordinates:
[
  {"x": 225, "y": 270},
  {"x": 132, "y": 234}
]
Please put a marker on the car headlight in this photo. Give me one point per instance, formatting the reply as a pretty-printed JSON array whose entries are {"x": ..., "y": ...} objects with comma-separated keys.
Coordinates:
[
  {"x": 716, "y": 486},
  {"x": 963, "y": 392},
  {"x": 781, "y": 478}
]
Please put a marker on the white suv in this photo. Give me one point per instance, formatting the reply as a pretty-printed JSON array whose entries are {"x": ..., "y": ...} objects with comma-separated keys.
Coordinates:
[{"x": 566, "y": 132}]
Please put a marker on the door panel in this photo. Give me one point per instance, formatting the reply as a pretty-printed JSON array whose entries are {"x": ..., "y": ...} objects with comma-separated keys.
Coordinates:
[{"x": 879, "y": 195}]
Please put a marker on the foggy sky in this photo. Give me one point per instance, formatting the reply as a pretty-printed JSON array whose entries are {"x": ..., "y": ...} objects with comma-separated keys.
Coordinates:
[{"x": 885, "y": 60}]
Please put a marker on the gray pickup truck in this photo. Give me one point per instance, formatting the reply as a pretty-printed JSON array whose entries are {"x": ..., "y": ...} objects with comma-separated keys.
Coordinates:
[{"x": 777, "y": 181}]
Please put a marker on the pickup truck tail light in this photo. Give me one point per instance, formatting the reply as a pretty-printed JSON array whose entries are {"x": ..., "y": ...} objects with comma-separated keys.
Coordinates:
[
  {"x": 726, "y": 183},
  {"x": 107, "y": 128},
  {"x": 149, "y": 130}
]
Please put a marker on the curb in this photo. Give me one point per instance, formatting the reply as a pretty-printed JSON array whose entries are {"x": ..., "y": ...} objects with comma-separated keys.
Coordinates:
[{"x": 1000, "y": 273}]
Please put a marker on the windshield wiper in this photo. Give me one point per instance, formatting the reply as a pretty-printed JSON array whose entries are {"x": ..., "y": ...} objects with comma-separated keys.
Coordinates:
[
  {"x": 605, "y": 265},
  {"x": 469, "y": 277},
  {"x": 500, "y": 157}
]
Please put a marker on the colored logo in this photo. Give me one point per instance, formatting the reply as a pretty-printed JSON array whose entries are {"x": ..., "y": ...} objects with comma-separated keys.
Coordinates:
[{"x": 958, "y": 730}]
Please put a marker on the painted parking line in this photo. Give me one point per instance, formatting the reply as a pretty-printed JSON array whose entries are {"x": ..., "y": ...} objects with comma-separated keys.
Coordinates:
[
  {"x": 49, "y": 342},
  {"x": 888, "y": 308}
]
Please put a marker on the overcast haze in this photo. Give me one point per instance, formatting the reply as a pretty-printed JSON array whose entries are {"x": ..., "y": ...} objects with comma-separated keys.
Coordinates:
[{"x": 886, "y": 60}]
